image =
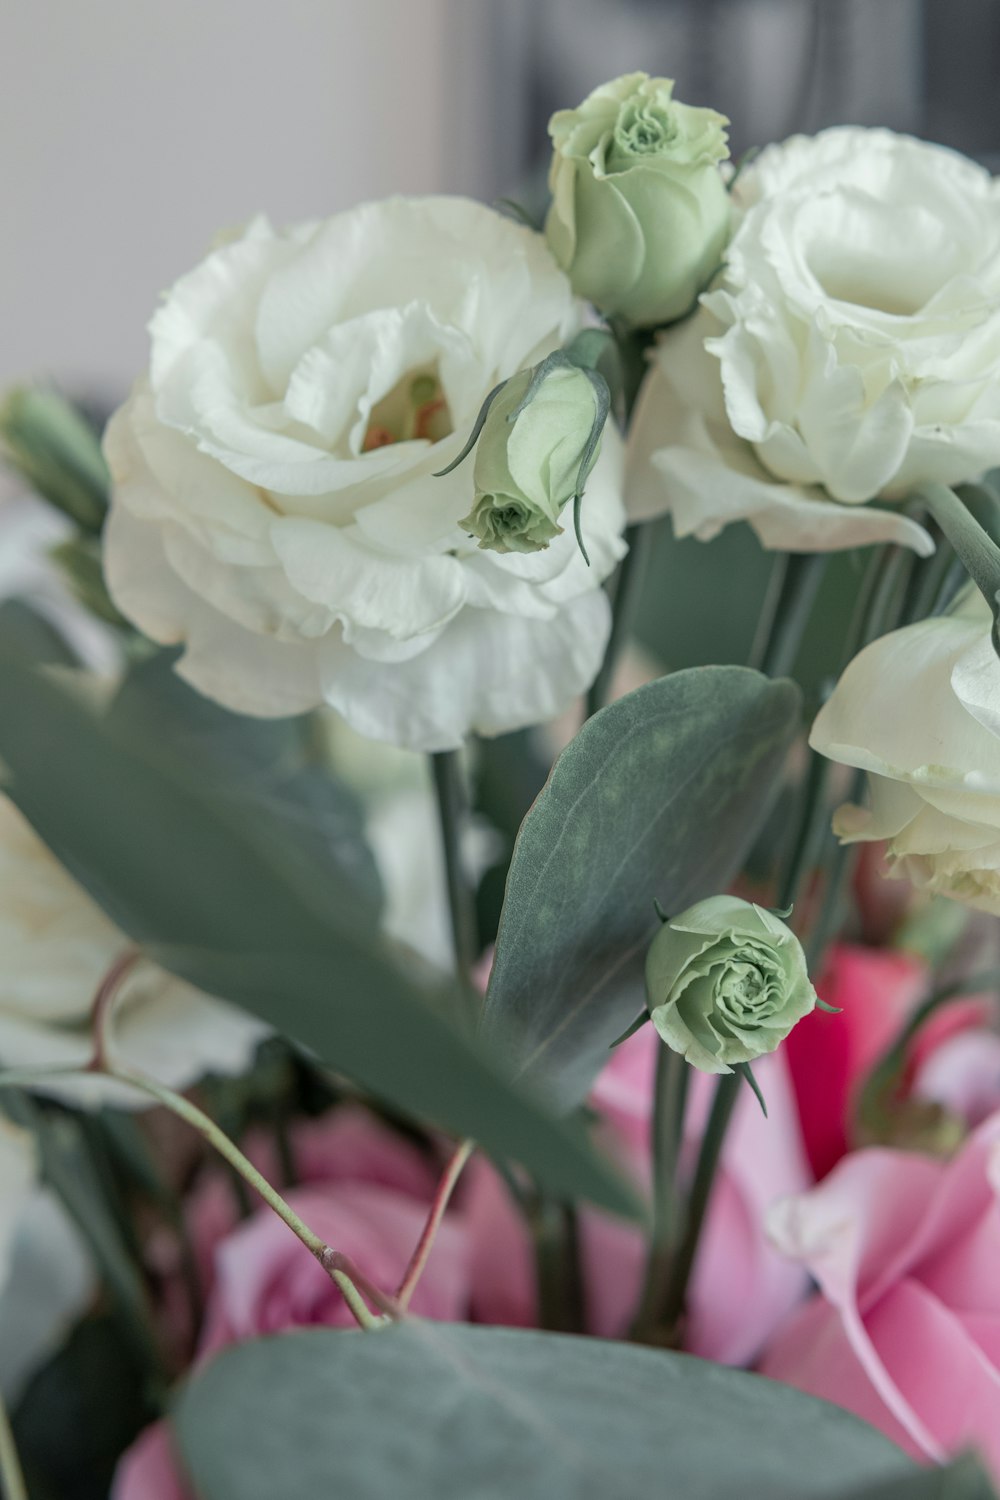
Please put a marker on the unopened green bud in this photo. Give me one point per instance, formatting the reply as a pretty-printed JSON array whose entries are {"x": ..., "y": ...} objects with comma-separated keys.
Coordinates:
[
  {"x": 640, "y": 212},
  {"x": 57, "y": 452},
  {"x": 725, "y": 982},
  {"x": 539, "y": 442}
]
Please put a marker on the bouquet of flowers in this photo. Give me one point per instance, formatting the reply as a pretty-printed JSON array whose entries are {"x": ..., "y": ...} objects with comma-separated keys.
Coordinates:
[{"x": 498, "y": 989}]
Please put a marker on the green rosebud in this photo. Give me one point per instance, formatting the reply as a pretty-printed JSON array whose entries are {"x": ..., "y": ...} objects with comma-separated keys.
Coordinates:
[
  {"x": 57, "y": 452},
  {"x": 539, "y": 441},
  {"x": 640, "y": 212},
  {"x": 725, "y": 982}
]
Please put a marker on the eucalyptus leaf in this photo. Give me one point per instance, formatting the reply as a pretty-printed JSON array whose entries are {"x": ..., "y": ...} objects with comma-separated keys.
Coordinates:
[
  {"x": 451, "y": 1412},
  {"x": 965, "y": 1479},
  {"x": 234, "y": 905},
  {"x": 657, "y": 798},
  {"x": 255, "y": 766}
]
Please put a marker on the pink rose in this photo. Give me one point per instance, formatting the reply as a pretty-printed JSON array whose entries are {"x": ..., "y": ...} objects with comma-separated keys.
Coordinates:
[
  {"x": 366, "y": 1191},
  {"x": 740, "y": 1289},
  {"x": 905, "y": 1329},
  {"x": 876, "y": 990}
]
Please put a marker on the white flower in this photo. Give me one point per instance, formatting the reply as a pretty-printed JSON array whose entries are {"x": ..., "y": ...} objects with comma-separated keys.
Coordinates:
[
  {"x": 275, "y": 506},
  {"x": 49, "y": 1285},
  {"x": 56, "y": 946},
  {"x": 919, "y": 710},
  {"x": 851, "y": 353}
]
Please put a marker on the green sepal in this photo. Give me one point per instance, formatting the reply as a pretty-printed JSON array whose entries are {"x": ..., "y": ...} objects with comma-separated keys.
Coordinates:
[
  {"x": 636, "y": 1025},
  {"x": 831, "y": 1010},
  {"x": 747, "y": 1072},
  {"x": 476, "y": 430}
]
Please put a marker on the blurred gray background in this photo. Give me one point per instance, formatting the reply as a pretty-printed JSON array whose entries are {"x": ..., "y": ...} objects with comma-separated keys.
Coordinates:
[{"x": 131, "y": 130}]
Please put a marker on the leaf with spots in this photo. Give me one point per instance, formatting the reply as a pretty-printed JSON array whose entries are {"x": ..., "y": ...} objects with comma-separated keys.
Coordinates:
[{"x": 658, "y": 798}]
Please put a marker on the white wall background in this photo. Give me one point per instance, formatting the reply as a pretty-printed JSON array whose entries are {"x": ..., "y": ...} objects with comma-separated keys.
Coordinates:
[{"x": 131, "y": 130}]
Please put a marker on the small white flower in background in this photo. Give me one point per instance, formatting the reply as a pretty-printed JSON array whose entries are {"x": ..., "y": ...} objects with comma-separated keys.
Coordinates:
[
  {"x": 919, "y": 710},
  {"x": 56, "y": 946},
  {"x": 50, "y": 1283},
  {"x": 851, "y": 351},
  {"x": 275, "y": 506}
]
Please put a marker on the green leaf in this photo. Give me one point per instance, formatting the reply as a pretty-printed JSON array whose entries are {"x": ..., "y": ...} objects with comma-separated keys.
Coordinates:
[
  {"x": 658, "y": 796},
  {"x": 57, "y": 451},
  {"x": 254, "y": 766},
  {"x": 24, "y": 630},
  {"x": 438, "y": 1412},
  {"x": 230, "y": 902},
  {"x": 965, "y": 1479}
]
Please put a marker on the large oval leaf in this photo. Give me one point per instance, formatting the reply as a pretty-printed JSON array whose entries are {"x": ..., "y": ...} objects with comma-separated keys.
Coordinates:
[
  {"x": 237, "y": 906},
  {"x": 659, "y": 795},
  {"x": 437, "y": 1412}
]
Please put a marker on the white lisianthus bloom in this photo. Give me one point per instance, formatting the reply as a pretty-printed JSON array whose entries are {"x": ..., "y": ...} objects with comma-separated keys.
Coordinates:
[
  {"x": 850, "y": 353},
  {"x": 919, "y": 710},
  {"x": 275, "y": 507},
  {"x": 56, "y": 946}
]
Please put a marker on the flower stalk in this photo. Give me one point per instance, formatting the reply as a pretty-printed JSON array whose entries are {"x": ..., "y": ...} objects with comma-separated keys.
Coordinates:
[{"x": 442, "y": 1197}]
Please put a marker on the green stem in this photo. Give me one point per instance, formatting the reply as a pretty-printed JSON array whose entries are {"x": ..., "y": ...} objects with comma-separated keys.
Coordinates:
[
  {"x": 669, "y": 1102},
  {"x": 769, "y": 610},
  {"x": 812, "y": 825},
  {"x": 557, "y": 1261},
  {"x": 799, "y": 584},
  {"x": 726, "y": 1092},
  {"x": 628, "y": 589},
  {"x": 345, "y": 1277},
  {"x": 14, "y": 1487},
  {"x": 452, "y": 813}
]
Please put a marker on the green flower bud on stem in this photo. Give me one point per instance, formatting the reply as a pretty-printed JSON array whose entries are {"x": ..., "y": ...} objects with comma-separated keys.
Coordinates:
[
  {"x": 640, "y": 212},
  {"x": 540, "y": 439},
  {"x": 57, "y": 452},
  {"x": 725, "y": 982}
]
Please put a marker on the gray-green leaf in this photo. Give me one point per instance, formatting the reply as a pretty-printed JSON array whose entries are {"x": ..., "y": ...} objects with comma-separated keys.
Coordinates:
[
  {"x": 658, "y": 797},
  {"x": 438, "y": 1412},
  {"x": 229, "y": 901}
]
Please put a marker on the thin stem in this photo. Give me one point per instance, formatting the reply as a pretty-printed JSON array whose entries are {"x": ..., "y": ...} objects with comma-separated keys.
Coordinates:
[
  {"x": 811, "y": 827},
  {"x": 337, "y": 1266},
  {"x": 14, "y": 1487},
  {"x": 799, "y": 585},
  {"x": 103, "y": 1005},
  {"x": 768, "y": 611},
  {"x": 628, "y": 589},
  {"x": 556, "y": 1236},
  {"x": 669, "y": 1102},
  {"x": 726, "y": 1092},
  {"x": 452, "y": 813},
  {"x": 442, "y": 1197}
]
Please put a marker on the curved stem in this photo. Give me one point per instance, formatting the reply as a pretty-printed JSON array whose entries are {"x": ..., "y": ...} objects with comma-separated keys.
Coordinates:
[
  {"x": 14, "y": 1487},
  {"x": 442, "y": 1197}
]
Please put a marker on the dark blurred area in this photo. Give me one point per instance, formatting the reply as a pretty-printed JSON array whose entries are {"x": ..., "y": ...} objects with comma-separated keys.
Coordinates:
[{"x": 928, "y": 67}]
